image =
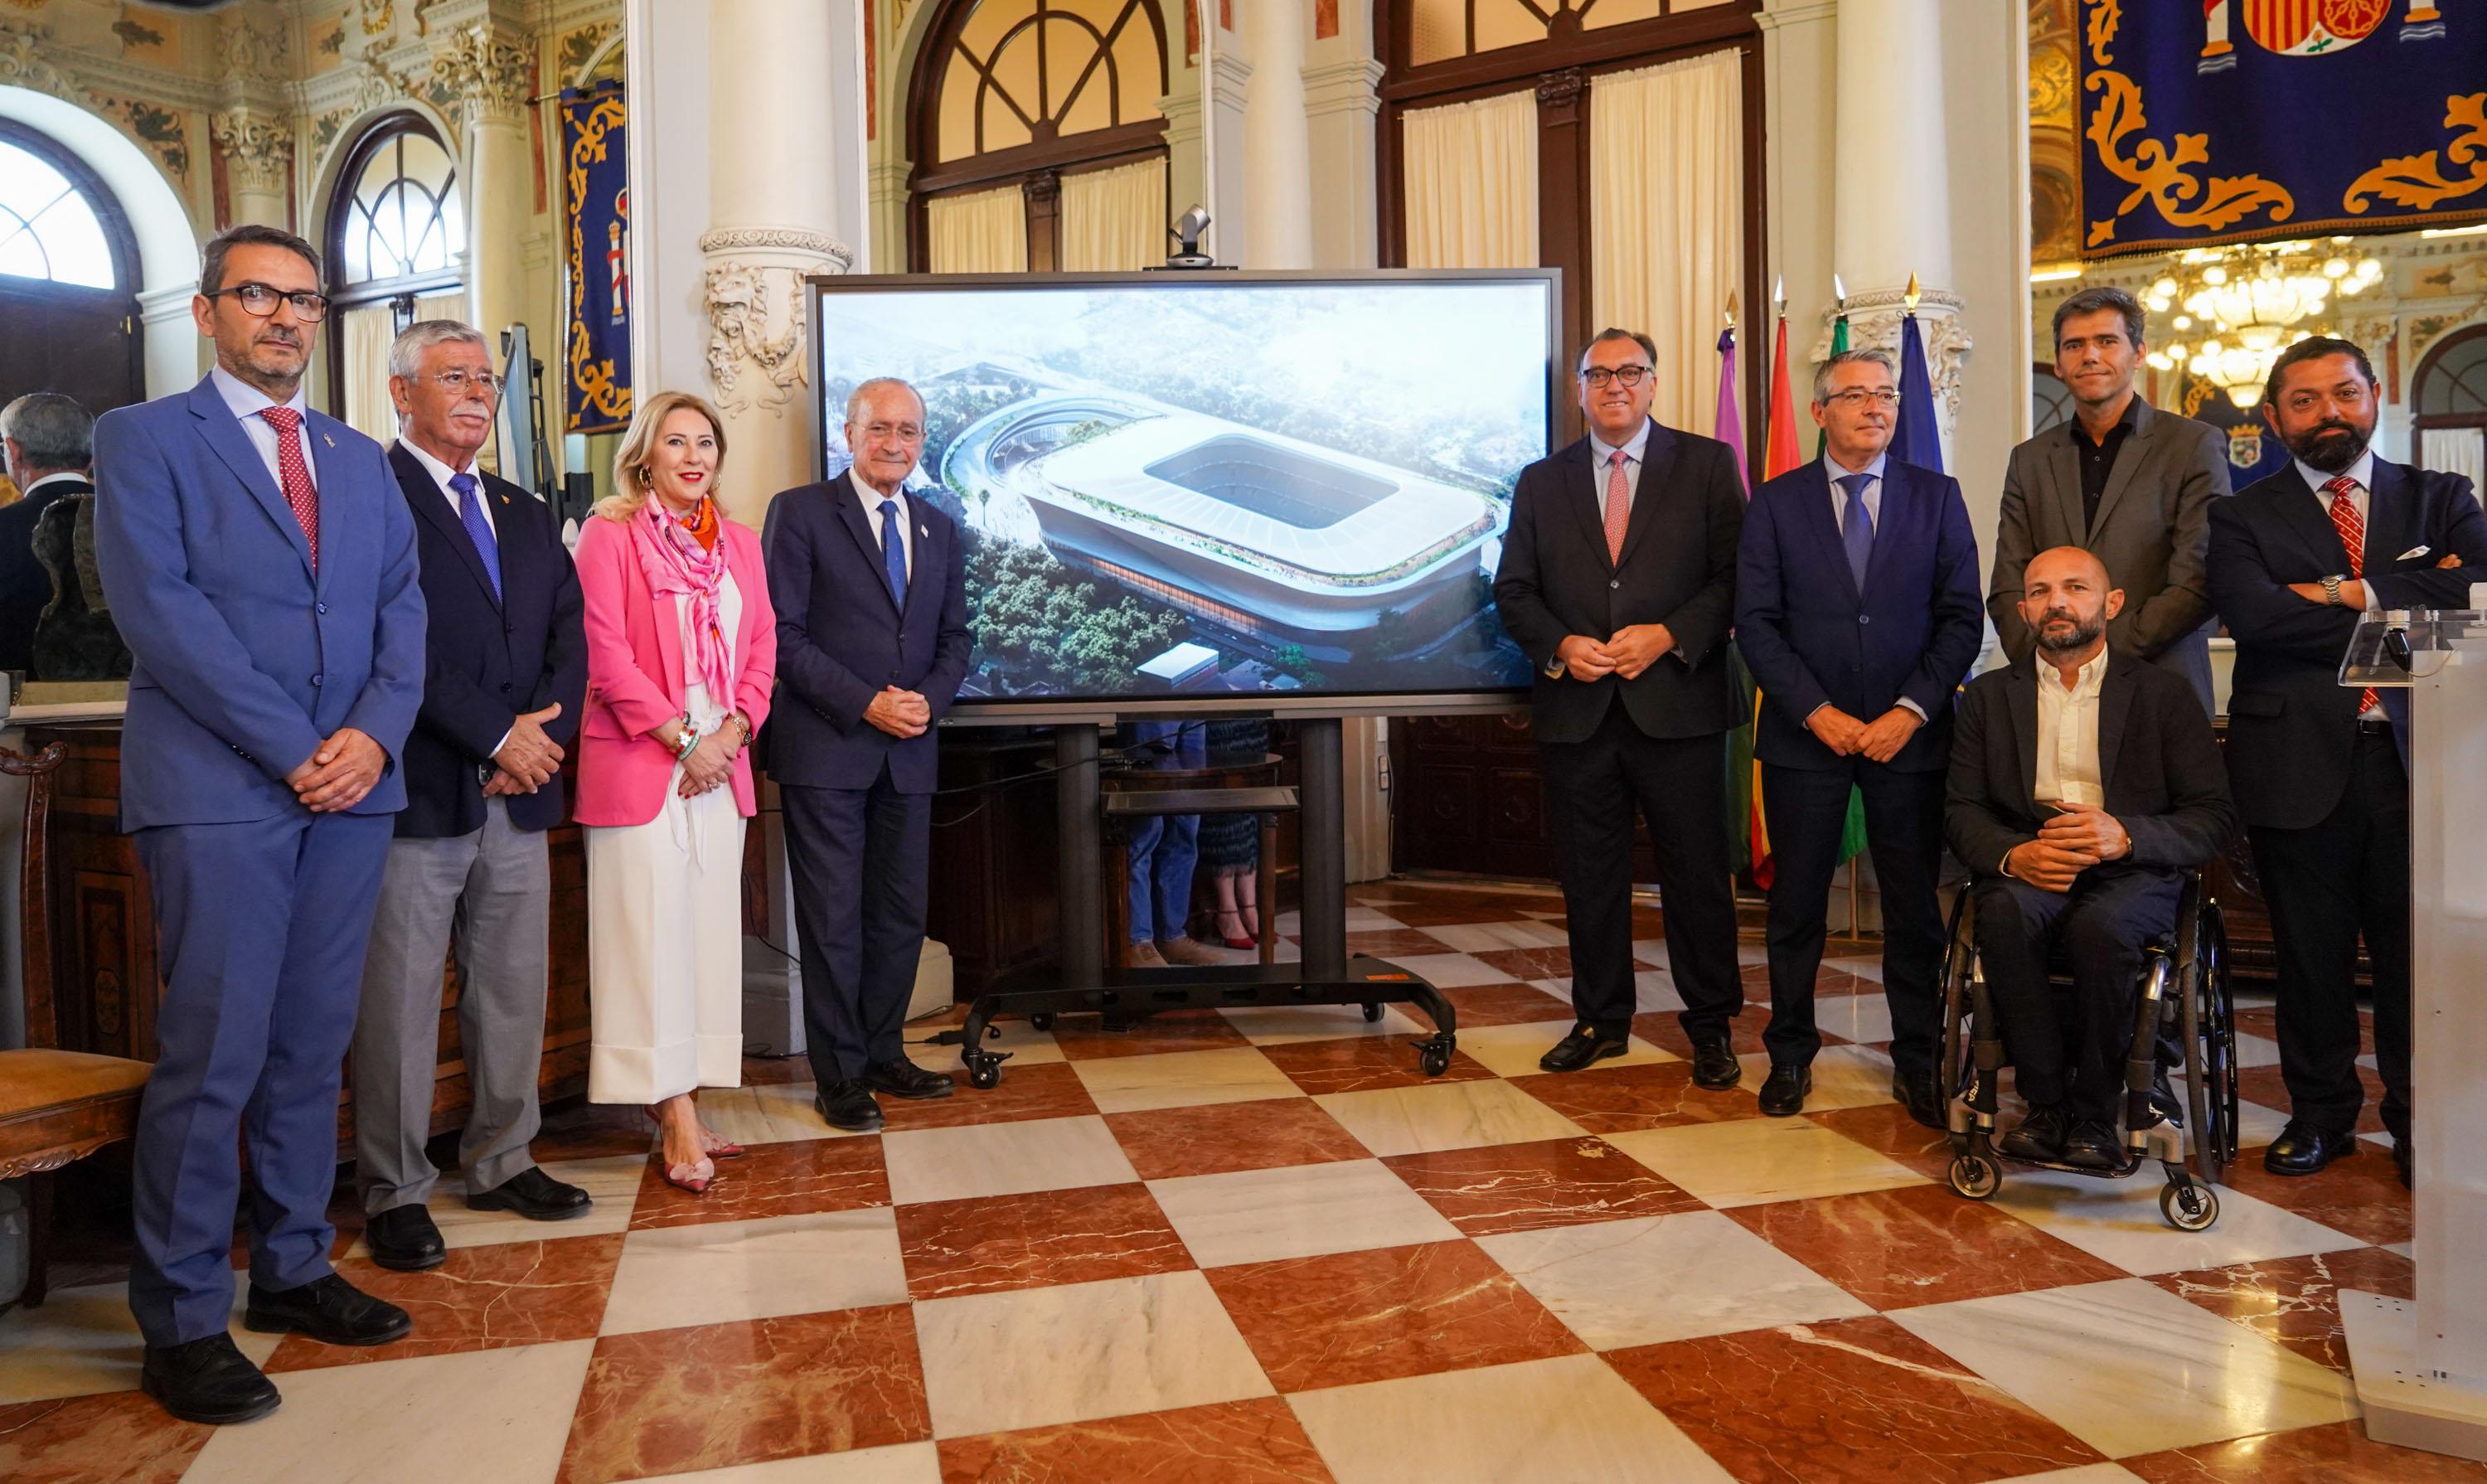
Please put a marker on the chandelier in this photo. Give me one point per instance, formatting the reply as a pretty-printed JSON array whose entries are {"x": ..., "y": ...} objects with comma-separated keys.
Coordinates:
[{"x": 2250, "y": 301}]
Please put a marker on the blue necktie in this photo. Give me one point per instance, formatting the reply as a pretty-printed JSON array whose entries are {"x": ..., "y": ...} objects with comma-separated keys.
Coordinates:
[
  {"x": 1856, "y": 526},
  {"x": 893, "y": 552},
  {"x": 470, "y": 515}
]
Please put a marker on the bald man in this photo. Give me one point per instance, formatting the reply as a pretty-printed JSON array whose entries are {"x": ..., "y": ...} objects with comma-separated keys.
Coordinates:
[{"x": 2082, "y": 784}]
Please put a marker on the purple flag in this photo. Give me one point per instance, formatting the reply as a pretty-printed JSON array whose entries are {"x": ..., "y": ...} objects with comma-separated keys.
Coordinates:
[{"x": 1729, "y": 427}]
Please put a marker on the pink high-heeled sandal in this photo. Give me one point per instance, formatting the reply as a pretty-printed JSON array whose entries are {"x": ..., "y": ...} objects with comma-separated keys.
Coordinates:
[{"x": 693, "y": 1178}]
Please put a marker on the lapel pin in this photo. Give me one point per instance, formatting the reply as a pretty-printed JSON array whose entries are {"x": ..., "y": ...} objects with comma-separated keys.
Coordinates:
[{"x": 328, "y": 439}]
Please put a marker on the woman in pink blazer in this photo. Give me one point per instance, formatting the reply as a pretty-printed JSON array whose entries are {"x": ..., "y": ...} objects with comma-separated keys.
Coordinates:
[{"x": 682, "y": 651}]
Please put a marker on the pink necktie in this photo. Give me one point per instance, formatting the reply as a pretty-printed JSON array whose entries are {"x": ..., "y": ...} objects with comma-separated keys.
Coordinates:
[
  {"x": 296, "y": 475},
  {"x": 1618, "y": 508},
  {"x": 2353, "y": 537}
]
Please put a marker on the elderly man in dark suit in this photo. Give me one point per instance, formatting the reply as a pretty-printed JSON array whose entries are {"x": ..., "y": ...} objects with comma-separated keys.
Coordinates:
[
  {"x": 2082, "y": 784},
  {"x": 467, "y": 873},
  {"x": 1857, "y": 608},
  {"x": 1618, "y": 581},
  {"x": 870, "y": 587},
  {"x": 2321, "y": 770},
  {"x": 46, "y": 442}
]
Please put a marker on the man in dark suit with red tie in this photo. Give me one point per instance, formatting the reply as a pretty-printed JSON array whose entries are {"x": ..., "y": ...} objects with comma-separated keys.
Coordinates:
[
  {"x": 1619, "y": 580},
  {"x": 2320, "y": 769}
]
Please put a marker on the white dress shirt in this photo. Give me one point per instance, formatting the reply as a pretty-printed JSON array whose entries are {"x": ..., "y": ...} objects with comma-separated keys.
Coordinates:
[
  {"x": 247, "y": 402},
  {"x": 2068, "y": 743},
  {"x": 1600, "y": 451},
  {"x": 872, "y": 500},
  {"x": 64, "y": 476},
  {"x": 440, "y": 473}
]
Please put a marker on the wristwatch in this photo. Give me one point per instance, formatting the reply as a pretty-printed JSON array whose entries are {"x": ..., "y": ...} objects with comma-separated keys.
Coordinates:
[{"x": 2331, "y": 591}]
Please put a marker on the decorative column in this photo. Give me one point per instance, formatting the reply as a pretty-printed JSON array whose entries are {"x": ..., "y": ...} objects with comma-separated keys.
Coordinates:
[
  {"x": 490, "y": 74},
  {"x": 1224, "y": 76},
  {"x": 1277, "y": 145},
  {"x": 257, "y": 151},
  {"x": 1341, "y": 105}
]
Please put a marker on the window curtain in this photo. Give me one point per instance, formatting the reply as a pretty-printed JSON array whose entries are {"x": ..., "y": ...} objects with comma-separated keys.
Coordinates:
[
  {"x": 370, "y": 329},
  {"x": 985, "y": 232},
  {"x": 1666, "y": 219},
  {"x": 1114, "y": 220},
  {"x": 1470, "y": 176},
  {"x": 2455, "y": 451}
]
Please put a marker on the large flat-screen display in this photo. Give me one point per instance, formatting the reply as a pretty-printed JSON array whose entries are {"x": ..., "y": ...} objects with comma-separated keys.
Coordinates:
[{"x": 1210, "y": 489}]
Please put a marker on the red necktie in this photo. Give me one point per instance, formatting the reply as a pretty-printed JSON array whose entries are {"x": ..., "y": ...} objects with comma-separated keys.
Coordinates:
[
  {"x": 1618, "y": 507},
  {"x": 2353, "y": 537},
  {"x": 296, "y": 475}
]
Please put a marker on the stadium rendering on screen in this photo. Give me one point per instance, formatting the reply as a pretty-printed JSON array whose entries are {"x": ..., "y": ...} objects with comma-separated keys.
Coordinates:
[{"x": 1181, "y": 486}]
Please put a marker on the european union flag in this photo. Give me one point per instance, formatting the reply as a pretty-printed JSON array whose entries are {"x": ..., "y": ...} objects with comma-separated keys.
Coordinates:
[{"x": 1916, "y": 438}]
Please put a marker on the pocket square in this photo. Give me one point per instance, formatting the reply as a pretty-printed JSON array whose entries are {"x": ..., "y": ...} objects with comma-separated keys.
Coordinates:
[{"x": 2413, "y": 552}]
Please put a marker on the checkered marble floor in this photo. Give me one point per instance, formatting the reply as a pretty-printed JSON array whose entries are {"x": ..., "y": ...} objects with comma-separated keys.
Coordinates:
[{"x": 1261, "y": 1246}]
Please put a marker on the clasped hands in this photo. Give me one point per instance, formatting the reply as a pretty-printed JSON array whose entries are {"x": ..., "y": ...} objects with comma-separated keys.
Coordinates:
[
  {"x": 528, "y": 757},
  {"x": 902, "y": 713},
  {"x": 711, "y": 762},
  {"x": 338, "y": 775},
  {"x": 2069, "y": 843},
  {"x": 1627, "y": 653},
  {"x": 1880, "y": 740}
]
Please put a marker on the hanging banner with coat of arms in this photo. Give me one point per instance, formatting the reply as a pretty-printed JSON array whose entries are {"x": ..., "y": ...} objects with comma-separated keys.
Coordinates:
[
  {"x": 596, "y": 194},
  {"x": 2231, "y": 120}
]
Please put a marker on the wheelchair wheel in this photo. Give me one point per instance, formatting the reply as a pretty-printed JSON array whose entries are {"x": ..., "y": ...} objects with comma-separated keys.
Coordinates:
[
  {"x": 1960, "y": 960},
  {"x": 2207, "y": 1005},
  {"x": 2189, "y": 1207},
  {"x": 1975, "y": 1176}
]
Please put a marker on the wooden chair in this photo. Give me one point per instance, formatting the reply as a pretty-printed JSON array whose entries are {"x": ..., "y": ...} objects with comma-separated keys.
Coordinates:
[{"x": 56, "y": 1106}]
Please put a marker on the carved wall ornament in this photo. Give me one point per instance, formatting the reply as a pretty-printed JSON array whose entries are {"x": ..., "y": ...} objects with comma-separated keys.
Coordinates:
[
  {"x": 247, "y": 54},
  {"x": 755, "y": 317},
  {"x": 257, "y": 151},
  {"x": 488, "y": 72},
  {"x": 25, "y": 49},
  {"x": 778, "y": 240},
  {"x": 1874, "y": 320},
  {"x": 2417, "y": 181},
  {"x": 380, "y": 16}
]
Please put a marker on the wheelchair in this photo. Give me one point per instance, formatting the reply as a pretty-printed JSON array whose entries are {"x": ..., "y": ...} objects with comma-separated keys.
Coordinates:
[{"x": 2185, "y": 1001}]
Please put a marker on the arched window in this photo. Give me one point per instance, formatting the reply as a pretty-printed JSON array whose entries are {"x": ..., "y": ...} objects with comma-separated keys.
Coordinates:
[
  {"x": 2051, "y": 400},
  {"x": 2449, "y": 397},
  {"x": 397, "y": 244},
  {"x": 68, "y": 278}
]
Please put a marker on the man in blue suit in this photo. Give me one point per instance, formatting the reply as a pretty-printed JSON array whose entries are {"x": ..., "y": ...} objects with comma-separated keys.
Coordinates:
[
  {"x": 262, "y": 565},
  {"x": 870, "y": 587},
  {"x": 1856, "y": 608}
]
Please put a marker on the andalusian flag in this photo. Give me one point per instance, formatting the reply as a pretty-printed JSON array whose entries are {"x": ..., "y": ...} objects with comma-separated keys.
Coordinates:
[{"x": 1779, "y": 455}]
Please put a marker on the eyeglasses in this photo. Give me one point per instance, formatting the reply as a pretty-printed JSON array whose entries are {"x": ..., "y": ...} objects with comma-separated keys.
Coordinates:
[
  {"x": 262, "y": 300},
  {"x": 905, "y": 433},
  {"x": 1856, "y": 398},
  {"x": 1625, "y": 376},
  {"x": 456, "y": 383}
]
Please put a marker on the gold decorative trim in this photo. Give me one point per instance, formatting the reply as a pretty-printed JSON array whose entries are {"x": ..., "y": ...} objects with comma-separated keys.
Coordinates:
[
  {"x": 593, "y": 385},
  {"x": 2415, "y": 180},
  {"x": 2161, "y": 175},
  {"x": 2104, "y": 18}
]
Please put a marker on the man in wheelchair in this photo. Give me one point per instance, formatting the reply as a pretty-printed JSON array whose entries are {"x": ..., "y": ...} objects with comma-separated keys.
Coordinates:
[{"x": 2082, "y": 785}]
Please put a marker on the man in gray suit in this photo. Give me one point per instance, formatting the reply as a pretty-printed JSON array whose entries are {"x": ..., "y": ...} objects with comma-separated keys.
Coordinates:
[{"x": 2129, "y": 484}]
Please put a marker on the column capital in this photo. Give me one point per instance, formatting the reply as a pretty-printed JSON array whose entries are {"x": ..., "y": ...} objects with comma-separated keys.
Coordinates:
[
  {"x": 490, "y": 73},
  {"x": 1874, "y": 320},
  {"x": 1562, "y": 91},
  {"x": 752, "y": 291},
  {"x": 157, "y": 306},
  {"x": 1227, "y": 76},
  {"x": 1343, "y": 87},
  {"x": 258, "y": 150}
]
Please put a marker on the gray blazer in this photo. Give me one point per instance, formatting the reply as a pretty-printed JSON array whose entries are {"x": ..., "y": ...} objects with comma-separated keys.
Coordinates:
[{"x": 2154, "y": 522}]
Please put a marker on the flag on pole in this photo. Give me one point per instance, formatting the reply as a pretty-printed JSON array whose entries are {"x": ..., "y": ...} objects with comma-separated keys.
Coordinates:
[
  {"x": 1779, "y": 452},
  {"x": 1729, "y": 429},
  {"x": 1729, "y": 426},
  {"x": 1838, "y": 344},
  {"x": 1915, "y": 437}
]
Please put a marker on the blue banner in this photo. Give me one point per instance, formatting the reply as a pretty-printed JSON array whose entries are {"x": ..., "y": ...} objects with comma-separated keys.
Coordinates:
[
  {"x": 2231, "y": 120},
  {"x": 596, "y": 348}
]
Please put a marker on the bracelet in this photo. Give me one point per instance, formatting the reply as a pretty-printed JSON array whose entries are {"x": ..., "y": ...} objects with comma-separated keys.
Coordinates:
[{"x": 683, "y": 748}]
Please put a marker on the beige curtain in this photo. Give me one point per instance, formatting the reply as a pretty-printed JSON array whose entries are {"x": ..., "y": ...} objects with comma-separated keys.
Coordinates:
[
  {"x": 1114, "y": 220},
  {"x": 2455, "y": 451},
  {"x": 982, "y": 232},
  {"x": 370, "y": 329},
  {"x": 1470, "y": 173},
  {"x": 1666, "y": 219}
]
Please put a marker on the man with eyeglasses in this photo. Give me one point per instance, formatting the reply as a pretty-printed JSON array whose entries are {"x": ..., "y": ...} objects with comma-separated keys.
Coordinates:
[
  {"x": 1619, "y": 580},
  {"x": 468, "y": 871},
  {"x": 261, "y": 563},
  {"x": 869, "y": 582},
  {"x": 1857, "y": 608}
]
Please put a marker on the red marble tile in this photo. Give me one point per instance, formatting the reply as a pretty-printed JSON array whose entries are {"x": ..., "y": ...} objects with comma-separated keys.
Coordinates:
[
  {"x": 1048, "y": 1089},
  {"x": 1450, "y": 912},
  {"x": 1393, "y": 1311},
  {"x": 1854, "y": 1401},
  {"x": 1085, "y": 1038},
  {"x": 1257, "y": 1442},
  {"x": 2295, "y": 1301},
  {"x": 1527, "y": 962},
  {"x": 2264, "y": 1021},
  {"x": 775, "y": 1071},
  {"x": 2264, "y": 1085},
  {"x": 2337, "y": 1453},
  {"x": 797, "y": 1177},
  {"x": 2362, "y": 1196},
  {"x": 1661, "y": 1028},
  {"x": 593, "y": 1131},
  {"x": 116, "y": 1438},
  {"x": 1618, "y": 1099},
  {"x": 1887, "y": 1129},
  {"x": 1506, "y": 1004},
  {"x": 1919, "y": 1245},
  {"x": 1223, "y": 1137},
  {"x": 671, "y": 1401},
  {"x": 1556, "y": 1182},
  {"x": 998, "y": 1242},
  {"x": 1363, "y": 1063},
  {"x": 1391, "y": 943},
  {"x": 480, "y": 1298}
]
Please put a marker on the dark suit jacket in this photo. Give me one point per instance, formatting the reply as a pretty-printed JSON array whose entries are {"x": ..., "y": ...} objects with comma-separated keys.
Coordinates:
[
  {"x": 841, "y": 639},
  {"x": 1678, "y": 569},
  {"x": 1810, "y": 638},
  {"x": 2157, "y": 757},
  {"x": 2290, "y": 720},
  {"x": 24, "y": 585},
  {"x": 486, "y": 661}
]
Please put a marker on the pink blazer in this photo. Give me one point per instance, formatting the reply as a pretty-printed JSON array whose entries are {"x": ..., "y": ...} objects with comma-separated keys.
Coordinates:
[{"x": 635, "y": 673}]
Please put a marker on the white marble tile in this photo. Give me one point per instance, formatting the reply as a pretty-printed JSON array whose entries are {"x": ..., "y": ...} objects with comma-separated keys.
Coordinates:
[
  {"x": 1513, "y": 1050},
  {"x": 1449, "y": 970},
  {"x": 497, "y": 1415},
  {"x": 1445, "y": 1115},
  {"x": 765, "y": 1113},
  {"x": 83, "y": 1341},
  {"x": 1853, "y": 1017},
  {"x": 2118, "y": 1221},
  {"x": 1651, "y": 1280},
  {"x": 1864, "y": 965},
  {"x": 1302, "y": 1211},
  {"x": 1650, "y": 950},
  {"x": 1748, "y": 1161},
  {"x": 1002, "y": 1159},
  {"x": 2086, "y": 1474},
  {"x": 672, "y": 1277},
  {"x": 1287, "y": 1024},
  {"x": 2130, "y": 1369},
  {"x": 1359, "y": 919},
  {"x": 1570, "y": 1418},
  {"x": 1751, "y": 953},
  {"x": 1654, "y": 992},
  {"x": 900, "y": 1463},
  {"x": 1488, "y": 936},
  {"x": 2254, "y": 1051},
  {"x": 1080, "y": 1351},
  {"x": 1843, "y": 1077},
  {"x": 611, "y": 1182},
  {"x": 1128, "y": 1084},
  {"x": 2407, "y": 1249}
]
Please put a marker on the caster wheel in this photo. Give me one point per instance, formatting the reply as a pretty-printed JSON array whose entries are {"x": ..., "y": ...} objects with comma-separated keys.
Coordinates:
[
  {"x": 1974, "y": 1176},
  {"x": 1043, "y": 1020},
  {"x": 2189, "y": 1207},
  {"x": 985, "y": 1075},
  {"x": 1434, "y": 1062},
  {"x": 1372, "y": 1013}
]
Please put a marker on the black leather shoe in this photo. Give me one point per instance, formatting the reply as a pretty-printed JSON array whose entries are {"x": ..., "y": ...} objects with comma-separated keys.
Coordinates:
[
  {"x": 2405, "y": 1164},
  {"x": 1920, "y": 1096},
  {"x": 533, "y": 1194},
  {"x": 1714, "y": 1062},
  {"x": 2092, "y": 1146},
  {"x": 905, "y": 1080},
  {"x": 849, "y": 1105},
  {"x": 404, "y": 1239},
  {"x": 2302, "y": 1148},
  {"x": 329, "y": 1310},
  {"x": 2040, "y": 1137},
  {"x": 1584, "y": 1045},
  {"x": 207, "y": 1380},
  {"x": 1784, "y": 1091}
]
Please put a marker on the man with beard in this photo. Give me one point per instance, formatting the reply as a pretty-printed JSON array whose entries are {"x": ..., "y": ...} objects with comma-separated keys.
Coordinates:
[
  {"x": 2083, "y": 782},
  {"x": 2321, "y": 768}
]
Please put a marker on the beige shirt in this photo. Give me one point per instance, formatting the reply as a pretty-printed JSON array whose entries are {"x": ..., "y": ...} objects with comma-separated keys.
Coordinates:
[{"x": 2068, "y": 728}]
